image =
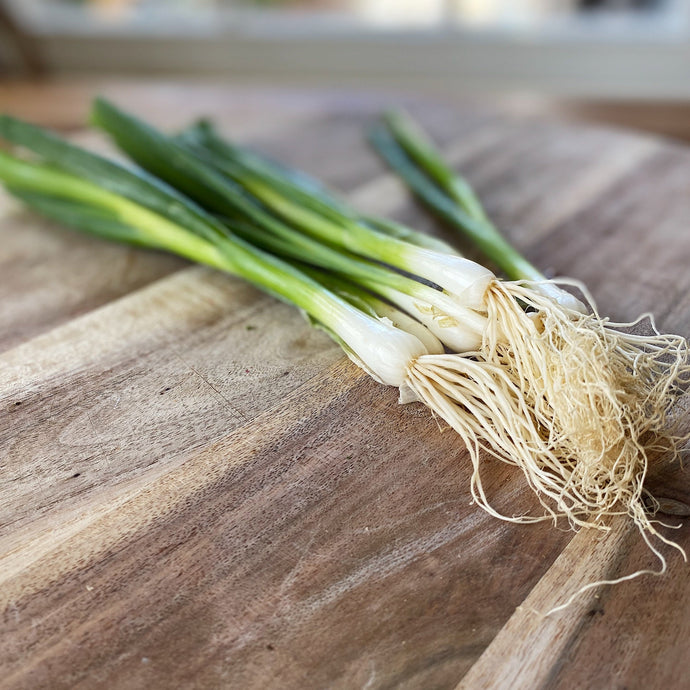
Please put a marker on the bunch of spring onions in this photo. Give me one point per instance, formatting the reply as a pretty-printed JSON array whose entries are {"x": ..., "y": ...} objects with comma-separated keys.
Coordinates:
[{"x": 520, "y": 369}]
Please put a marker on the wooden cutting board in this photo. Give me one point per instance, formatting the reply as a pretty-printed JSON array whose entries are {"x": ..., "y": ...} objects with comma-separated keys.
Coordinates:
[{"x": 197, "y": 490}]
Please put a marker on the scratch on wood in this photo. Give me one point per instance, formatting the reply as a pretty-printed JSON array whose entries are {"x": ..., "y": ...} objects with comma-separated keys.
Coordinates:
[
  {"x": 237, "y": 412},
  {"x": 104, "y": 454}
]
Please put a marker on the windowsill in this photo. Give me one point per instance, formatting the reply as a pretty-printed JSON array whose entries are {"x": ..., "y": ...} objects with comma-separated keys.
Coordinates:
[{"x": 577, "y": 59}]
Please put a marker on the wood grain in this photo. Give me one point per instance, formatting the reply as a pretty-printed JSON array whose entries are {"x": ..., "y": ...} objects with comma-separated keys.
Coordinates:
[{"x": 199, "y": 491}]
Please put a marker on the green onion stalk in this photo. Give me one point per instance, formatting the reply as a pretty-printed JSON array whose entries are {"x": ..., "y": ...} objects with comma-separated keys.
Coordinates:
[{"x": 576, "y": 403}]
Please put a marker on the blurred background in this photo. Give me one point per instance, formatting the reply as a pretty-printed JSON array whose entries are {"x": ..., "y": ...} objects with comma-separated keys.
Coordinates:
[{"x": 632, "y": 49}]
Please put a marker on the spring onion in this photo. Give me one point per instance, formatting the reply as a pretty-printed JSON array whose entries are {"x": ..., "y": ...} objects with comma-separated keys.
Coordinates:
[{"x": 406, "y": 148}]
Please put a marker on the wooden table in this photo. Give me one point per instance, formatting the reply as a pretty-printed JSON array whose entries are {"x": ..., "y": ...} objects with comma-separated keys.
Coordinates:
[{"x": 197, "y": 490}]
